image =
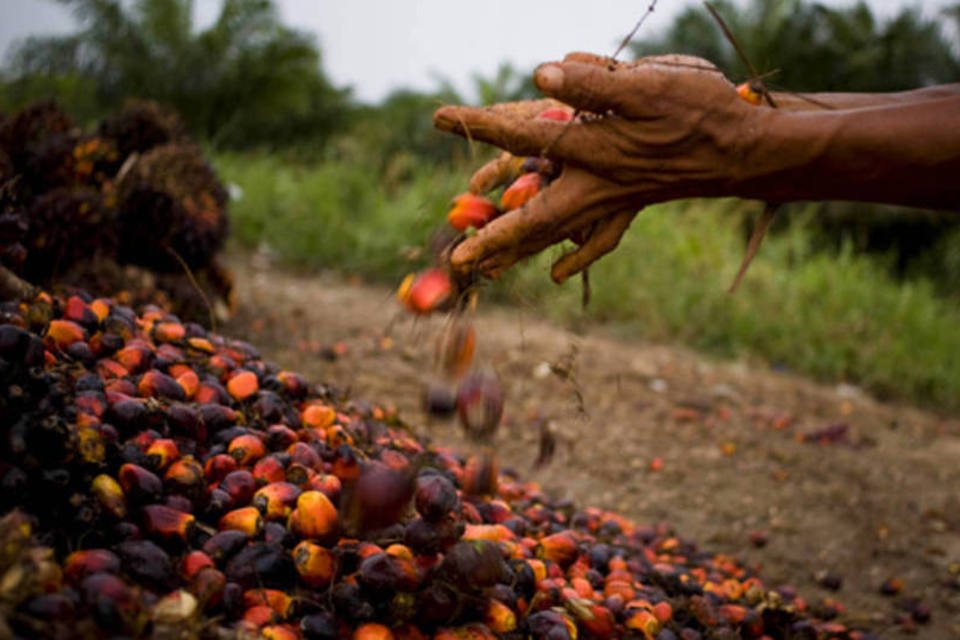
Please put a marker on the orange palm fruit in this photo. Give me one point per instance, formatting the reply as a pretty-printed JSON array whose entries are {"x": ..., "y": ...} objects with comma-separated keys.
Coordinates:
[
  {"x": 259, "y": 616},
  {"x": 134, "y": 357},
  {"x": 471, "y": 210},
  {"x": 499, "y": 617},
  {"x": 217, "y": 467},
  {"x": 318, "y": 416},
  {"x": 559, "y": 547},
  {"x": 245, "y": 519},
  {"x": 315, "y": 564},
  {"x": 161, "y": 453},
  {"x": 63, "y": 333},
  {"x": 155, "y": 384},
  {"x": 189, "y": 382},
  {"x": 200, "y": 344},
  {"x": 269, "y": 469},
  {"x": 425, "y": 292},
  {"x": 169, "y": 332},
  {"x": 749, "y": 93},
  {"x": 109, "y": 495},
  {"x": 277, "y": 600},
  {"x": 279, "y": 632},
  {"x": 372, "y": 631},
  {"x": 480, "y": 475},
  {"x": 644, "y": 622},
  {"x": 521, "y": 191},
  {"x": 276, "y": 500},
  {"x": 456, "y": 347},
  {"x": 315, "y": 517},
  {"x": 246, "y": 449},
  {"x": 242, "y": 385}
]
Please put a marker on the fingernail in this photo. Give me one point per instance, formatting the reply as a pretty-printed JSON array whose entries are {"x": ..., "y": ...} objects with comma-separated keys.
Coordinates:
[
  {"x": 548, "y": 77},
  {"x": 443, "y": 119}
]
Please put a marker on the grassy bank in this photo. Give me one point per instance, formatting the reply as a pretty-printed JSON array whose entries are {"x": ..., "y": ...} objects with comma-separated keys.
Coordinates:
[{"x": 834, "y": 318}]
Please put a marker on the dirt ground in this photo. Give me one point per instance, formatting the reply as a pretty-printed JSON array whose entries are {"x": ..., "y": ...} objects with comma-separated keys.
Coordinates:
[{"x": 878, "y": 497}]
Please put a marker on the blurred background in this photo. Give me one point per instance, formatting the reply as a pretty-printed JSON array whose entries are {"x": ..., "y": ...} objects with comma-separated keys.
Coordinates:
[{"x": 317, "y": 115}]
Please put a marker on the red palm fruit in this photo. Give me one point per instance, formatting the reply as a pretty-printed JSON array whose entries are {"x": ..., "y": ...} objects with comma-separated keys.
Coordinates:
[
  {"x": 240, "y": 486},
  {"x": 217, "y": 467},
  {"x": 161, "y": 453},
  {"x": 597, "y": 620},
  {"x": 426, "y": 292},
  {"x": 279, "y": 632},
  {"x": 242, "y": 385},
  {"x": 280, "y": 436},
  {"x": 78, "y": 311},
  {"x": 208, "y": 585},
  {"x": 169, "y": 332},
  {"x": 456, "y": 347},
  {"x": 276, "y": 500},
  {"x": 167, "y": 524},
  {"x": 259, "y": 616},
  {"x": 499, "y": 617},
  {"x": 269, "y": 469},
  {"x": 315, "y": 564},
  {"x": 327, "y": 484},
  {"x": 315, "y": 517},
  {"x": 480, "y": 404},
  {"x": 223, "y": 545},
  {"x": 302, "y": 453},
  {"x": 318, "y": 416},
  {"x": 560, "y": 548},
  {"x": 207, "y": 394},
  {"x": 556, "y": 113},
  {"x": 193, "y": 562},
  {"x": 189, "y": 382},
  {"x": 111, "y": 369},
  {"x": 81, "y": 564},
  {"x": 372, "y": 631},
  {"x": 346, "y": 465},
  {"x": 435, "y": 497},
  {"x": 377, "y": 498},
  {"x": 245, "y": 520},
  {"x": 521, "y": 191},
  {"x": 299, "y": 475},
  {"x": 277, "y": 600},
  {"x": 109, "y": 596},
  {"x": 471, "y": 210},
  {"x": 663, "y": 611},
  {"x": 247, "y": 449},
  {"x": 704, "y": 611},
  {"x": 139, "y": 485},
  {"x": 480, "y": 475},
  {"x": 293, "y": 383},
  {"x": 749, "y": 93},
  {"x": 134, "y": 357},
  {"x": 109, "y": 495},
  {"x": 154, "y": 384}
]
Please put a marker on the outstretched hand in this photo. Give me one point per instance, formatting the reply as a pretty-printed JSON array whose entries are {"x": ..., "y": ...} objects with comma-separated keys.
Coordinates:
[{"x": 661, "y": 128}]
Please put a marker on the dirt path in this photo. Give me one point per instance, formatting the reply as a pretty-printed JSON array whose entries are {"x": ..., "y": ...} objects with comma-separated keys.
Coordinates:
[{"x": 881, "y": 501}]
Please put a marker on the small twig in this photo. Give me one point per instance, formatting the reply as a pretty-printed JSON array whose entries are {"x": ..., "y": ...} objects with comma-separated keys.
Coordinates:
[
  {"x": 756, "y": 238},
  {"x": 196, "y": 285},
  {"x": 633, "y": 32}
]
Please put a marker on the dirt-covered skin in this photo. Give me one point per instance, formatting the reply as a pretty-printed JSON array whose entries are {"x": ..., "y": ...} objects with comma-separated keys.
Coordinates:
[{"x": 883, "y": 502}]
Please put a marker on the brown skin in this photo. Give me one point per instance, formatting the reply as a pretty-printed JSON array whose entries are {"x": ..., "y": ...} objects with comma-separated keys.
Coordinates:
[{"x": 672, "y": 127}]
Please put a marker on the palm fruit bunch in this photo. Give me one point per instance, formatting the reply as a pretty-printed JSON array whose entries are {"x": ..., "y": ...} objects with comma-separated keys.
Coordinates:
[
  {"x": 161, "y": 480},
  {"x": 171, "y": 199},
  {"x": 136, "y": 192}
]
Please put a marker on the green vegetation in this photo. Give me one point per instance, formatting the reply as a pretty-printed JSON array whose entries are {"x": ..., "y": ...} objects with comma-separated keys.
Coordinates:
[{"x": 833, "y": 317}]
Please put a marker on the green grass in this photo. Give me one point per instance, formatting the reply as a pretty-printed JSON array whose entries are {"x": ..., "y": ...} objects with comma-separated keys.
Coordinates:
[{"x": 831, "y": 317}]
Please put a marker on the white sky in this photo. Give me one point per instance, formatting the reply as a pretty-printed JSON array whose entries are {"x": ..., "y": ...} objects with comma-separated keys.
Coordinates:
[{"x": 379, "y": 45}]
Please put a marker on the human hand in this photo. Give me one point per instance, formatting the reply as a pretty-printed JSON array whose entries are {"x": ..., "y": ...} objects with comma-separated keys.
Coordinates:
[{"x": 654, "y": 130}]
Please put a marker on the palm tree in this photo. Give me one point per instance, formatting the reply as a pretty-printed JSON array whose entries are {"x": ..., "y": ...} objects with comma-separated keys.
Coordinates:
[{"x": 245, "y": 79}]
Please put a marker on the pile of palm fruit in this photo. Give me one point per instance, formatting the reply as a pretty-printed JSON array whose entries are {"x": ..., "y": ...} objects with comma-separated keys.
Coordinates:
[
  {"x": 160, "y": 480},
  {"x": 131, "y": 209}
]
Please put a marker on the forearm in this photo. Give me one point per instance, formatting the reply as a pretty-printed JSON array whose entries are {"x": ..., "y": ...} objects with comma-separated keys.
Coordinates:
[
  {"x": 806, "y": 101},
  {"x": 899, "y": 154}
]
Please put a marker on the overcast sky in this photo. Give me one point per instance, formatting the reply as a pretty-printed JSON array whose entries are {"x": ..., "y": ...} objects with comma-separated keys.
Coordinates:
[{"x": 375, "y": 46}]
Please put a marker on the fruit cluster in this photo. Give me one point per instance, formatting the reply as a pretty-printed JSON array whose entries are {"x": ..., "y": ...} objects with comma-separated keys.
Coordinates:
[
  {"x": 123, "y": 208},
  {"x": 162, "y": 480}
]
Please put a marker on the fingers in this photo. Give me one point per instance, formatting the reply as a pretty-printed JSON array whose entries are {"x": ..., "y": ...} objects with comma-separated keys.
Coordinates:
[
  {"x": 499, "y": 171},
  {"x": 586, "y": 86},
  {"x": 605, "y": 238},
  {"x": 506, "y": 129}
]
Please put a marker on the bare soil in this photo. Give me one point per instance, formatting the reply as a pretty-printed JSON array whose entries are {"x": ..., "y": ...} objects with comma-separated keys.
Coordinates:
[{"x": 880, "y": 499}]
